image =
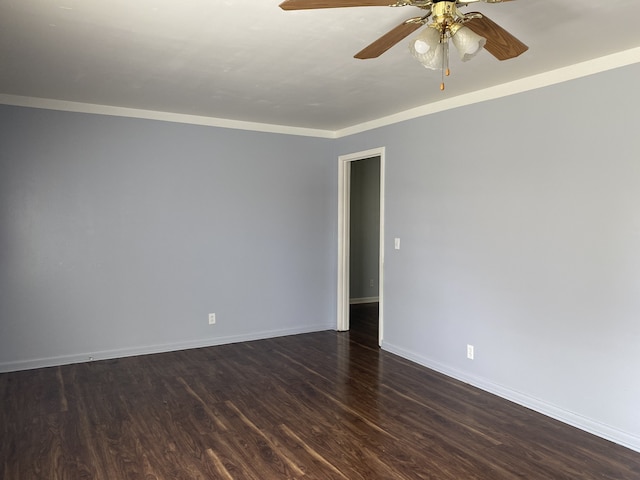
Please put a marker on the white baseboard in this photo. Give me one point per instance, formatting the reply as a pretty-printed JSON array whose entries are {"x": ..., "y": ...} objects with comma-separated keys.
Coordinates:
[
  {"x": 356, "y": 301},
  {"x": 150, "y": 349},
  {"x": 583, "y": 423}
]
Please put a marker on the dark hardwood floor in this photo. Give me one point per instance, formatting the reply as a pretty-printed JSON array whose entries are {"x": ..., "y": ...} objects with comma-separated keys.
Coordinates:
[{"x": 323, "y": 406}]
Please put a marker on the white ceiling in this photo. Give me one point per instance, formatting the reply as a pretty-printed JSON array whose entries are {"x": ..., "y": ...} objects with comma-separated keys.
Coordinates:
[{"x": 249, "y": 60}]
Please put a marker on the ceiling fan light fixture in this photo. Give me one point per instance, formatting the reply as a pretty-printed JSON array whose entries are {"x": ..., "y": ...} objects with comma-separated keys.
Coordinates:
[
  {"x": 421, "y": 47},
  {"x": 467, "y": 42},
  {"x": 469, "y": 32},
  {"x": 427, "y": 48}
]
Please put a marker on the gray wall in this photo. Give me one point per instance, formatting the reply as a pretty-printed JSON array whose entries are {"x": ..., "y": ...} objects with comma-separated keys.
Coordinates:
[
  {"x": 520, "y": 230},
  {"x": 519, "y": 224},
  {"x": 364, "y": 253},
  {"x": 119, "y": 236}
]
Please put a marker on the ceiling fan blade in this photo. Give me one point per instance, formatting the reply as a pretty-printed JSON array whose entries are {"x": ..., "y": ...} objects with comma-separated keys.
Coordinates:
[
  {"x": 389, "y": 39},
  {"x": 500, "y": 43},
  {"x": 312, "y": 4}
]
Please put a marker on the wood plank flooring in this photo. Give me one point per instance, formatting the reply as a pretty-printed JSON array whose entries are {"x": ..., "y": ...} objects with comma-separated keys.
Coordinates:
[{"x": 325, "y": 405}]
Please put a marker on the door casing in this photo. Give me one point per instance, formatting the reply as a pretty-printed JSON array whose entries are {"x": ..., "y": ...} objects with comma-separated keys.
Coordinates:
[{"x": 344, "y": 208}]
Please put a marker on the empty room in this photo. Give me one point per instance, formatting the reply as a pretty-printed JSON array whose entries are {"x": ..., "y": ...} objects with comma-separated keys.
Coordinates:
[{"x": 272, "y": 240}]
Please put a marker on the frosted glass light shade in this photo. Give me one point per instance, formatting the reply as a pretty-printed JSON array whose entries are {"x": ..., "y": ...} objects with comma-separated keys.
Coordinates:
[
  {"x": 427, "y": 49},
  {"x": 468, "y": 43}
]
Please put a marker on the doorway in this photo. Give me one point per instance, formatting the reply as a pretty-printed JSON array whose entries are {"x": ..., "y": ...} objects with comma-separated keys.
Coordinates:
[{"x": 345, "y": 265}]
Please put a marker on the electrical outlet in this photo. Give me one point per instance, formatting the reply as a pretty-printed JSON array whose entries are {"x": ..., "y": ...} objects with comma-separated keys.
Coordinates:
[
  {"x": 470, "y": 352},
  {"x": 212, "y": 318}
]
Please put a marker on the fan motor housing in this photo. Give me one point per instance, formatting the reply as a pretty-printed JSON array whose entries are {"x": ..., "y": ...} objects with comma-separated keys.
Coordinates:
[{"x": 445, "y": 12}]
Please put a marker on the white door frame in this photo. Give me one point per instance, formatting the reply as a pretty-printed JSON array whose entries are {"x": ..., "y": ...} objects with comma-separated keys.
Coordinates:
[{"x": 344, "y": 198}]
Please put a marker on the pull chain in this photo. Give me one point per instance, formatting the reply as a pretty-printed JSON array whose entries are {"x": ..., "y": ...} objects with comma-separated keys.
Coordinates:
[{"x": 445, "y": 57}]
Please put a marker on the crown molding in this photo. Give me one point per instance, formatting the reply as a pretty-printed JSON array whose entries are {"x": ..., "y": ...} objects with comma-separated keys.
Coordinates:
[
  {"x": 590, "y": 67},
  {"x": 96, "y": 109},
  {"x": 565, "y": 74}
]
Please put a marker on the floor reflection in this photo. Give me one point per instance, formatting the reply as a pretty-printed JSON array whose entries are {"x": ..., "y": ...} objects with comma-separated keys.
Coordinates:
[{"x": 359, "y": 358}]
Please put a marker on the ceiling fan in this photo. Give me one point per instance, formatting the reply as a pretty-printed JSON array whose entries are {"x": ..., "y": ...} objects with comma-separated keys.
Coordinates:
[{"x": 469, "y": 32}]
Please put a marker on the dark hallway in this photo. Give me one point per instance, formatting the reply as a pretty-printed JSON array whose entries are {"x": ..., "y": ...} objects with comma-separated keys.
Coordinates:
[{"x": 363, "y": 324}]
